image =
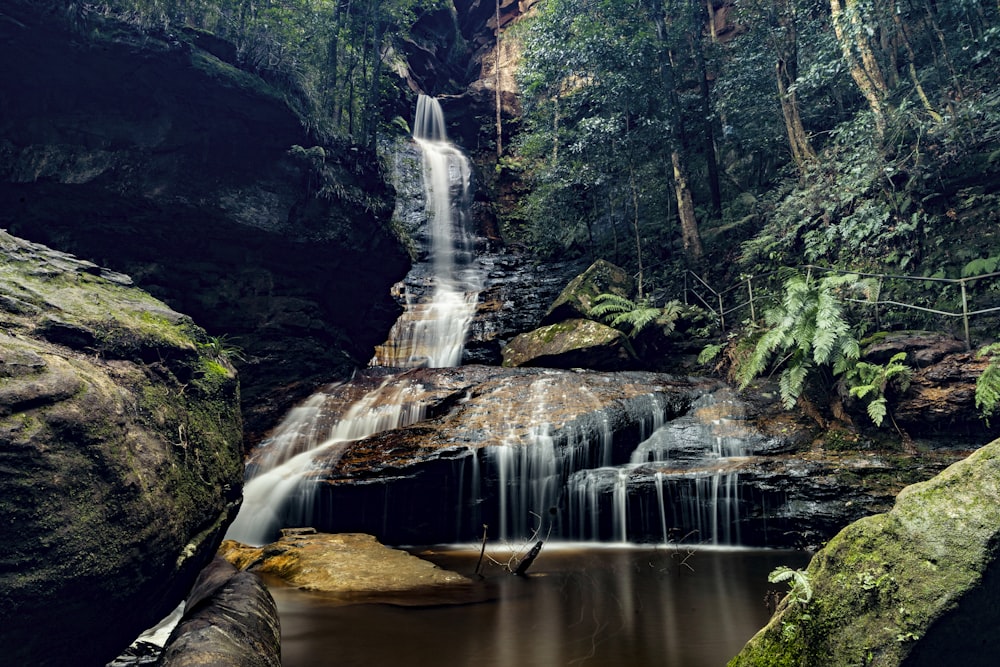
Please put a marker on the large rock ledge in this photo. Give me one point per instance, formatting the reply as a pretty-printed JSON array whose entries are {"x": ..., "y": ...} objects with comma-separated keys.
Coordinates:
[
  {"x": 120, "y": 449},
  {"x": 915, "y": 586}
]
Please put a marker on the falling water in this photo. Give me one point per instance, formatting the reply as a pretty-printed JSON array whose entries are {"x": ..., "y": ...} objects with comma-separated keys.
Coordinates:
[
  {"x": 432, "y": 333},
  {"x": 279, "y": 489}
]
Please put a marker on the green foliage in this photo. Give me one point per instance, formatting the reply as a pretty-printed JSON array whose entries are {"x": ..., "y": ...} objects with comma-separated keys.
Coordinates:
[
  {"x": 801, "y": 591},
  {"x": 221, "y": 347},
  {"x": 869, "y": 381},
  {"x": 619, "y": 311},
  {"x": 806, "y": 330},
  {"x": 980, "y": 266},
  {"x": 710, "y": 353},
  {"x": 988, "y": 382}
]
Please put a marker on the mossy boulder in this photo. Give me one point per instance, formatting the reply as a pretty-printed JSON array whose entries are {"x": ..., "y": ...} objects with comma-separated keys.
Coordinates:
[
  {"x": 915, "y": 586},
  {"x": 575, "y": 343},
  {"x": 120, "y": 443},
  {"x": 576, "y": 299}
]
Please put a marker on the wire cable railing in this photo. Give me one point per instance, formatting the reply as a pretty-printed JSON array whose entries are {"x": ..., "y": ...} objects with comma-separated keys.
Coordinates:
[{"x": 747, "y": 296}]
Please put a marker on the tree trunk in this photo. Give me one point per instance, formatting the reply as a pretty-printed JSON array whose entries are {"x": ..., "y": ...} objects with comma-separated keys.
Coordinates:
[
  {"x": 685, "y": 207},
  {"x": 685, "y": 204},
  {"x": 860, "y": 58},
  {"x": 798, "y": 140},
  {"x": 708, "y": 127},
  {"x": 499, "y": 99}
]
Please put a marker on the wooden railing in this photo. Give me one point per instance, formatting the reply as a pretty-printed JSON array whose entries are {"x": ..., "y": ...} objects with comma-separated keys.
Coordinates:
[{"x": 752, "y": 292}]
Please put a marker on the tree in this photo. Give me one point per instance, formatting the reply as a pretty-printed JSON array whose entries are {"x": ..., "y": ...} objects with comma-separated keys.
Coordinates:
[{"x": 603, "y": 118}]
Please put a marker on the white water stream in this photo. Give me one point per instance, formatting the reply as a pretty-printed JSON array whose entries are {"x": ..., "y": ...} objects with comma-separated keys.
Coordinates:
[
  {"x": 432, "y": 333},
  {"x": 278, "y": 490}
]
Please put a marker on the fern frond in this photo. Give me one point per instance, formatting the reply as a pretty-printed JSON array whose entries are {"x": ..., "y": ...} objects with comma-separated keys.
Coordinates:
[
  {"x": 862, "y": 390},
  {"x": 801, "y": 588},
  {"x": 609, "y": 304},
  {"x": 709, "y": 353},
  {"x": 877, "y": 410},
  {"x": 637, "y": 319},
  {"x": 988, "y": 382}
]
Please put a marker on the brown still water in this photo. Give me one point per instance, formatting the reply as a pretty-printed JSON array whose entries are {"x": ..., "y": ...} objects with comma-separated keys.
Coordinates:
[{"x": 587, "y": 607}]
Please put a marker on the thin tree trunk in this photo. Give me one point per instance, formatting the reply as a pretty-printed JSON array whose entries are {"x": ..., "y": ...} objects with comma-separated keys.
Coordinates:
[
  {"x": 635, "y": 226},
  {"x": 496, "y": 65},
  {"x": 912, "y": 68},
  {"x": 863, "y": 65},
  {"x": 555, "y": 130},
  {"x": 798, "y": 140},
  {"x": 708, "y": 126}
]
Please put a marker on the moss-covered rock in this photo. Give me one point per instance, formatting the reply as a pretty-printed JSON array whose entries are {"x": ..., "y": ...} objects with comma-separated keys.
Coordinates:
[
  {"x": 908, "y": 587},
  {"x": 120, "y": 448},
  {"x": 573, "y": 343},
  {"x": 575, "y": 301}
]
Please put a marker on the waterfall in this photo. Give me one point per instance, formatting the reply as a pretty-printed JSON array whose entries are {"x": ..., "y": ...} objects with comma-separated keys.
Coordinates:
[
  {"x": 279, "y": 489},
  {"x": 431, "y": 332}
]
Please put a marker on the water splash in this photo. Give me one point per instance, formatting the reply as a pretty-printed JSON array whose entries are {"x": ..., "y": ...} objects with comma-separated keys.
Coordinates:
[{"x": 279, "y": 490}]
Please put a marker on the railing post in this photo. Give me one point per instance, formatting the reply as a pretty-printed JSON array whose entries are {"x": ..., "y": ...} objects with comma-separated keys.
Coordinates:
[
  {"x": 965, "y": 314},
  {"x": 722, "y": 315},
  {"x": 753, "y": 313},
  {"x": 878, "y": 297}
]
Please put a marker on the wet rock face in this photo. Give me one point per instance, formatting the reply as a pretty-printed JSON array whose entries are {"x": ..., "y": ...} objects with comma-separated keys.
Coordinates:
[
  {"x": 120, "y": 438},
  {"x": 160, "y": 159},
  {"x": 941, "y": 399},
  {"x": 439, "y": 479}
]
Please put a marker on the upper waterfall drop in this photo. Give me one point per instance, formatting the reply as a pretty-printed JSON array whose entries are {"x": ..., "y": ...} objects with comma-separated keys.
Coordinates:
[{"x": 431, "y": 332}]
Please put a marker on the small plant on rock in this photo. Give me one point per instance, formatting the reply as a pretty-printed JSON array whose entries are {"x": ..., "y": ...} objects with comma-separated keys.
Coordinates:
[
  {"x": 988, "y": 382},
  {"x": 868, "y": 382},
  {"x": 618, "y": 311}
]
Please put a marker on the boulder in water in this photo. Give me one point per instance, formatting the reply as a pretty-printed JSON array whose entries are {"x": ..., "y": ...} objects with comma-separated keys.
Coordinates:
[{"x": 349, "y": 567}]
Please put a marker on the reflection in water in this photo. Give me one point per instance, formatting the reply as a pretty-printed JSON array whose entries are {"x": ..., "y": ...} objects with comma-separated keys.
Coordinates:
[{"x": 593, "y": 607}]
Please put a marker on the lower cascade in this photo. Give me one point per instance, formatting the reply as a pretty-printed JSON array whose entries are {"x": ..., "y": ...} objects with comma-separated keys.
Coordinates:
[{"x": 433, "y": 456}]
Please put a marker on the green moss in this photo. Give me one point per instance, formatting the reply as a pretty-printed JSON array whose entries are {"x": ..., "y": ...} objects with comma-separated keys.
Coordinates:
[{"x": 883, "y": 581}]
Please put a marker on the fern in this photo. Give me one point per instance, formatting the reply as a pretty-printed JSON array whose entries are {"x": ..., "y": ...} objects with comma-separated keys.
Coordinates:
[
  {"x": 868, "y": 382},
  {"x": 808, "y": 329},
  {"x": 798, "y": 580},
  {"x": 988, "y": 382},
  {"x": 622, "y": 313},
  {"x": 710, "y": 353}
]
